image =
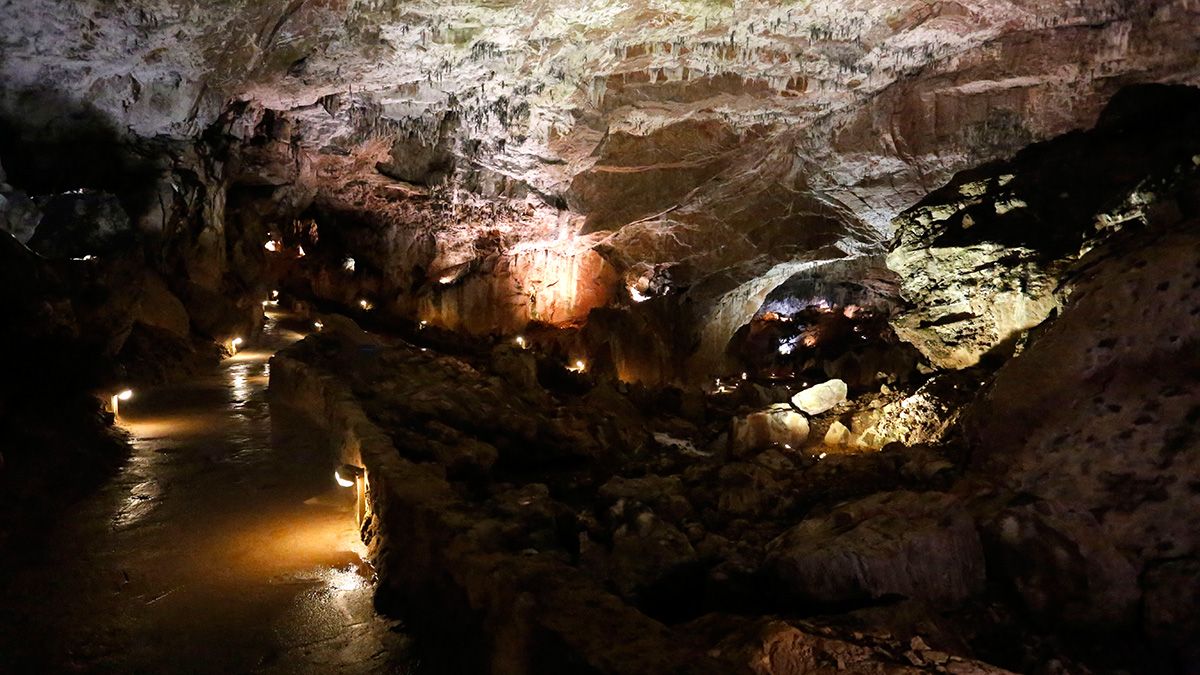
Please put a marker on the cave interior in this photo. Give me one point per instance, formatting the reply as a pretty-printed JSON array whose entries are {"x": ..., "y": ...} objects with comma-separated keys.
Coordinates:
[{"x": 641, "y": 336}]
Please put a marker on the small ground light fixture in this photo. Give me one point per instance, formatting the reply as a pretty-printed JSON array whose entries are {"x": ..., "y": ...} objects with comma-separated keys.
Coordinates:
[
  {"x": 115, "y": 401},
  {"x": 347, "y": 475}
]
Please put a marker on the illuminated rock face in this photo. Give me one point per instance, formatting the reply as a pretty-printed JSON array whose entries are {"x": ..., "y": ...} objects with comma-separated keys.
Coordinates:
[
  {"x": 724, "y": 141},
  {"x": 985, "y": 258},
  {"x": 546, "y": 283}
]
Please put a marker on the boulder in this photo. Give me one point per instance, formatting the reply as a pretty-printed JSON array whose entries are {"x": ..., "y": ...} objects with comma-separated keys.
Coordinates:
[
  {"x": 81, "y": 223},
  {"x": 820, "y": 398},
  {"x": 161, "y": 309},
  {"x": 646, "y": 552},
  {"x": 19, "y": 215},
  {"x": 916, "y": 545},
  {"x": 664, "y": 494},
  {"x": 1063, "y": 567},
  {"x": 777, "y": 425},
  {"x": 517, "y": 366},
  {"x": 750, "y": 490},
  {"x": 837, "y": 434},
  {"x": 218, "y": 315}
]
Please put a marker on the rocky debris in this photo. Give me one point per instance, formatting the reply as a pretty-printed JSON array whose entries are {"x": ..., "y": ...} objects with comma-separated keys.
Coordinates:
[
  {"x": 778, "y": 425},
  {"x": 507, "y": 557},
  {"x": 673, "y": 533},
  {"x": 984, "y": 258},
  {"x": 774, "y": 647},
  {"x": 665, "y": 495},
  {"x": 820, "y": 398},
  {"x": 926, "y": 415},
  {"x": 914, "y": 545},
  {"x": 751, "y": 490}
]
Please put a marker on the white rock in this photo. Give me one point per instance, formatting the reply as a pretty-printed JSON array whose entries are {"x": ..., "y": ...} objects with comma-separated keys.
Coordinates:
[
  {"x": 777, "y": 425},
  {"x": 838, "y": 434},
  {"x": 818, "y": 399}
]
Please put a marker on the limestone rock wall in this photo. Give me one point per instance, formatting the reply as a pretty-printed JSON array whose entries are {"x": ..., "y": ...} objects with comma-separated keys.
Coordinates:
[{"x": 727, "y": 141}]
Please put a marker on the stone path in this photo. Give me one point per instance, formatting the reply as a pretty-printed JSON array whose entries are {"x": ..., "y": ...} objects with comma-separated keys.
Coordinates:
[{"x": 223, "y": 546}]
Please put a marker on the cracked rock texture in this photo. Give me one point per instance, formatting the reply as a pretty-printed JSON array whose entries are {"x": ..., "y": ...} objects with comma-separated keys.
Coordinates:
[
  {"x": 712, "y": 144},
  {"x": 985, "y": 258}
]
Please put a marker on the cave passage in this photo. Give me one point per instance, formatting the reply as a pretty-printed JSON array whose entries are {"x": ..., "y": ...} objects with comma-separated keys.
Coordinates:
[{"x": 223, "y": 545}]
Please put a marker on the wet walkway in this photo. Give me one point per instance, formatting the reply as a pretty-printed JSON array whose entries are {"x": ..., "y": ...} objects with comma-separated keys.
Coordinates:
[{"x": 223, "y": 546}]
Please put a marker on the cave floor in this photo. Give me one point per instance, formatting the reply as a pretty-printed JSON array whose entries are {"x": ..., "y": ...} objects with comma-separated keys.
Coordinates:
[{"x": 222, "y": 546}]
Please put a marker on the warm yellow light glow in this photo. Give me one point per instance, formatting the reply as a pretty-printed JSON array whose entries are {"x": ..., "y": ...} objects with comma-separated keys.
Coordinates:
[
  {"x": 274, "y": 294},
  {"x": 521, "y": 341},
  {"x": 422, "y": 325},
  {"x": 115, "y": 401},
  {"x": 446, "y": 280},
  {"x": 271, "y": 246},
  {"x": 318, "y": 325},
  {"x": 347, "y": 475},
  {"x": 348, "y": 264},
  {"x": 365, "y": 304},
  {"x": 300, "y": 251},
  {"x": 578, "y": 367},
  {"x": 237, "y": 341}
]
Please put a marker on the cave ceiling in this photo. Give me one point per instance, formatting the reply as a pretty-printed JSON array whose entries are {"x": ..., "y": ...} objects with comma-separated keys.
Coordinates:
[{"x": 735, "y": 141}]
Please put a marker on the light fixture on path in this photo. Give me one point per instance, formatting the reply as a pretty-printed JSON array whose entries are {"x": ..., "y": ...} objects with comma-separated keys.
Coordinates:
[
  {"x": 115, "y": 401},
  {"x": 348, "y": 475}
]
